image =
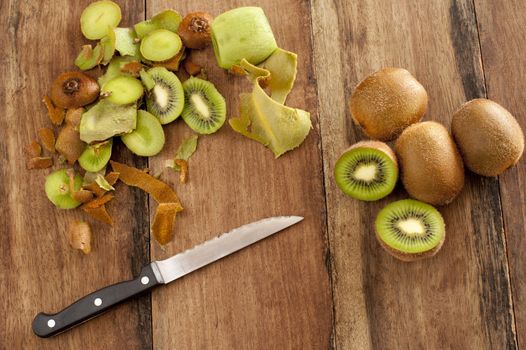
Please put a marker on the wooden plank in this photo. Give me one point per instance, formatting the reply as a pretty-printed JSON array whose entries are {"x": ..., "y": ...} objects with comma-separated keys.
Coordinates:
[
  {"x": 275, "y": 294},
  {"x": 502, "y": 27},
  {"x": 460, "y": 298},
  {"x": 39, "y": 271}
]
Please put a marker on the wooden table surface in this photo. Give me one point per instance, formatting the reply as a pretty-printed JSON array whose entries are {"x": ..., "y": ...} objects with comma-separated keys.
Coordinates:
[{"x": 324, "y": 283}]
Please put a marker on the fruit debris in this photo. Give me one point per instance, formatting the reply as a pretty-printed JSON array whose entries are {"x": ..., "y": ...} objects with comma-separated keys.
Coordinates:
[
  {"x": 47, "y": 137},
  {"x": 79, "y": 236}
]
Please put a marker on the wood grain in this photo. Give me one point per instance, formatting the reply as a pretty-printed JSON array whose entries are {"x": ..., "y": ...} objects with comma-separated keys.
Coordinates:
[
  {"x": 461, "y": 298},
  {"x": 39, "y": 271},
  {"x": 275, "y": 294},
  {"x": 502, "y": 27}
]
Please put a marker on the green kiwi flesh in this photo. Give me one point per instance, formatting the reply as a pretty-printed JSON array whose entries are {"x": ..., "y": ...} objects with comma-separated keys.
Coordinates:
[
  {"x": 148, "y": 137},
  {"x": 95, "y": 157},
  {"x": 166, "y": 99},
  {"x": 122, "y": 90},
  {"x": 410, "y": 230},
  {"x": 160, "y": 45},
  {"x": 58, "y": 191},
  {"x": 367, "y": 171},
  {"x": 205, "y": 108},
  {"x": 98, "y": 17}
]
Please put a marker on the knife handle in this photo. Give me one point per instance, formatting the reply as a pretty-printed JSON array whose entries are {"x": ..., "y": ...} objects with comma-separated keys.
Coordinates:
[{"x": 94, "y": 304}]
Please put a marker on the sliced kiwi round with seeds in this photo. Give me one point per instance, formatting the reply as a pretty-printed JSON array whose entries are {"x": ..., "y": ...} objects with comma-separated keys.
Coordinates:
[
  {"x": 148, "y": 137},
  {"x": 410, "y": 230},
  {"x": 95, "y": 156},
  {"x": 122, "y": 90},
  {"x": 166, "y": 99},
  {"x": 367, "y": 171},
  {"x": 58, "y": 190},
  {"x": 204, "y": 108}
]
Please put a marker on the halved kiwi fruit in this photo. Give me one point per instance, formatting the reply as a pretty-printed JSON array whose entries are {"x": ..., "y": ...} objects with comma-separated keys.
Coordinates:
[
  {"x": 58, "y": 190},
  {"x": 148, "y": 137},
  {"x": 204, "y": 108},
  {"x": 122, "y": 90},
  {"x": 98, "y": 17},
  {"x": 410, "y": 230},
  {"x": 96, "y": 156},
  {"x": 367, "y": 171},
  {"x": 166, "y": 99},
  {"x": 160, "y": 45}
]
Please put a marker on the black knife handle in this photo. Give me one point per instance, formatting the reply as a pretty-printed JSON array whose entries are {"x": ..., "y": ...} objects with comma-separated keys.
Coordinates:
[{"x": 94, "y": 304}]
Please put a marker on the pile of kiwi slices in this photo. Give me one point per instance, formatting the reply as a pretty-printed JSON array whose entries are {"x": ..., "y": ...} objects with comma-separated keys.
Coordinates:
[{"x": 388, "y": 106}]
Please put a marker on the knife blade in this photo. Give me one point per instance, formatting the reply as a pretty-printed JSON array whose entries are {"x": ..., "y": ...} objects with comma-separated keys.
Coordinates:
[{"x": 159, "y": 272}]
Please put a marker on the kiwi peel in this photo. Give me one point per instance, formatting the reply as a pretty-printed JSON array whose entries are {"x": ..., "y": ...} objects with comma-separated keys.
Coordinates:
[
  {"x": 166, "y": 99},
  {"x": 73, "y": 90},
  {"x": 367, "y": 171},
  {"x": 204, "y": 108},
  {"x": 148, "y": 137},
  {"x": 89, "y": 57},
  {"x": 58, "y": 190},
  {"x": 410, "y": 230},
  {"x": 95, "y": 157}
]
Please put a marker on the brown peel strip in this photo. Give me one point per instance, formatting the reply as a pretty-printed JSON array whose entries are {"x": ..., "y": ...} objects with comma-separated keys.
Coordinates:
[
  {"x": 95, "y": 188},
  {"x": 132, "y": 68},
  {"x": 191, "y": 67},
  {"x": 79, "y": 236},
  {"x": 174, "y": 62},
  {"x": 47, "y": 137},
  {"x": 56, "y": 114},
  {"x": 73, "y": 117},
  {"x": 112, "y": 177},
  {"x": 33, "y": 149},
  {"x": 98, "y": 202},
  {"x": 99, "y": 214},
  {"x": 39, "y": 163},
  {"x": 183, "y": 166},
  {"x": 163, "y": 222},
  {"x": 82, "y": 195},
  {"x": 69, "y": 144},
  {"x": 159, "y": 190}
]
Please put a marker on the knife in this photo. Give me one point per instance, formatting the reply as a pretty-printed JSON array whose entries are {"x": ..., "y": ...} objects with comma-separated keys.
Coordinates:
[{"x": 159, "y": 272}]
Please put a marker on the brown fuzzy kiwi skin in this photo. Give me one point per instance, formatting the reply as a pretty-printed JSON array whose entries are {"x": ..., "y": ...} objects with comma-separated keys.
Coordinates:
[
  {"x": 386, "y": 102},
  {"x": 73, "y": 90},
  {"x": 431, "y": 166},
  {"x": 409, "y": 257},
  {"x": 489, "y": 138}
]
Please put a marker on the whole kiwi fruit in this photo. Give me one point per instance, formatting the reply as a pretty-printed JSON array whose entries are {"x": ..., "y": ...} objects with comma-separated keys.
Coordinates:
[
  {"x": 431, "y": 166},
  {"x": 488, "y": 136},
  {"x": 388, "y": 101}
]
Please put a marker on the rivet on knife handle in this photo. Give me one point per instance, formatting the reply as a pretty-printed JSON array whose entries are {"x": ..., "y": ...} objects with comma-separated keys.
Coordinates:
[{"x": 94, "y": 304}]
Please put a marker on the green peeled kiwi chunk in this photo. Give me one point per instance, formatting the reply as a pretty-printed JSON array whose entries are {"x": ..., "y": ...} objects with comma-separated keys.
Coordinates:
[
  {"x": 166, "y": 99},
  {"x": 96, "y": 156},
  {"x": 367, "y": 171},
  {"x": 89, "y": 57},
  {"x": 204, "y": 108},
  {"x": 126, "y": 42},
  {"x": 58, "y": 190},
  {"x": 240, "y": 33},
  {"x": 167, "y": 19},
  {"x": 97, "y": 17},
  {"x": 114, "y": 68},
  {"x": 108, "y": 47},
  {"x": 410, "y": 230},
  {"x": 148, "y": 137},
  {"x": 122, "y": 90},
  {"x": 160, "y": 45}
]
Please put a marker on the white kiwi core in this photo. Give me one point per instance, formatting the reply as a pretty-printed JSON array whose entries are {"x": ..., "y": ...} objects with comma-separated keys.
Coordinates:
[
  {"x": 161, "y": 96},
  {"x": 200, "y": 105},
  {"x": 411, "y": 227},
  {"x": 366, "y": 172}
]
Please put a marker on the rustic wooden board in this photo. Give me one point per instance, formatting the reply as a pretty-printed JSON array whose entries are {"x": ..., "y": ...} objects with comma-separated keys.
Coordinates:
[
  {"x": 502, "y": 27},
  {"x": 39, "y": 271},
  {"x": 460, "y": 298}
]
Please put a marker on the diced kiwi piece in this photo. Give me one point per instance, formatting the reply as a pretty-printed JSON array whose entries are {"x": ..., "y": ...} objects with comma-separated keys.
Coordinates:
[
  {"x": 166, "y": 99},
  {"x": 160, "y": 45},
  {"x": 122, "y": 90},
  {"x": 96, "y": 156},
  {"x": 58, "y": 190},
  {"x": 97, "y": 17},
  {"x": 88, "y": 57},
  {"x": 148, "y": 137},
  {"x": 204, "y": 108},
  {"x": 167, "y": 19},
  {"x": 106, "y": 119},
  {"x": 146, "y": 79},
  {"x": 108, "y": 47},
  {"x": 126, "y": 42},
  {"x": 240, "y": 33},
  {"x": 114, "y": 68}
]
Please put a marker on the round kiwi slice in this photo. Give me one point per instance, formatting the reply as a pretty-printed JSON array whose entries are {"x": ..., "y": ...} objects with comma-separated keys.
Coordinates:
[
  {"x": 148, "y": 137},
  {"x": 98, "y": 17},
  {"x": 166, "y": 99},
  {"x": 96, "y": 156},
  {"x": 122, "y": 90},
  {"x": 410, "y": 230},
  {"x": 160, "y": 45},
  {"x": 205, "y": 108},
  {"x": 367, "y": 171},
  {"x": 58, "y": 190}
]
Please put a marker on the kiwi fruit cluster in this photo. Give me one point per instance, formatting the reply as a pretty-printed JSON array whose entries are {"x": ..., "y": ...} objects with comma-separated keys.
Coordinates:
[{"x": 388, "y": 105}]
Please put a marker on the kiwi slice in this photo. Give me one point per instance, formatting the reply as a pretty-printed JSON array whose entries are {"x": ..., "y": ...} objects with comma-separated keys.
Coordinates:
[
  {"x": 97, "y": 17},
  {"x": 89, "y": 57},
  {"x": 148, "y": 137},
  {"x": 205, "y": 108},
  {"x": 166, "y": 98},
  {"x": 167, "y": 19},
  {"x": 58, "y": 190},
  {"x": 96, "y": 156},
  {"x": 410, "y": 230},
  {"x": 367, "y": 171},
  {"x": 160, "y": 45},
  {"x": 122, "y": 90}
]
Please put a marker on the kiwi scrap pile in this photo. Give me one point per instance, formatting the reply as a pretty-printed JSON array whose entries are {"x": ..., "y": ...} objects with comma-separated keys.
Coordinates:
[
  {"x": 388, "y": 105},
  {"x": 139, "y": 93}
]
